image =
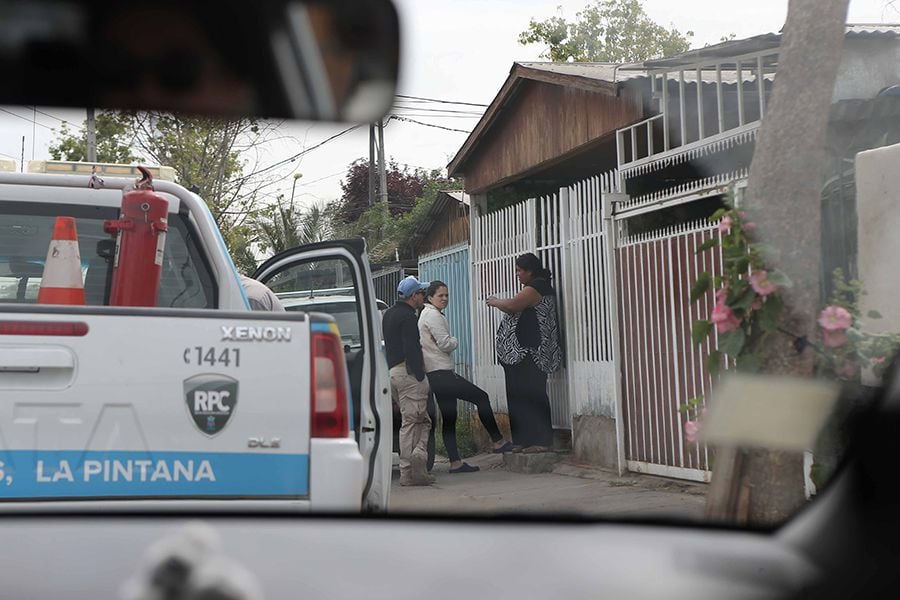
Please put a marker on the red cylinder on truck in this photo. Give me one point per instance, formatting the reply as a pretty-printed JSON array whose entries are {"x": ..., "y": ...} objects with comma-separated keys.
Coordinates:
[{"x": 141, "y": 239}]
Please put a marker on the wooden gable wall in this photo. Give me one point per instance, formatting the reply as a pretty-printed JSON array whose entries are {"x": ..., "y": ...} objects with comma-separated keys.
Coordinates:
[
  {"x": 451, "y": 228},
  {"x": 543, "y": 122}
]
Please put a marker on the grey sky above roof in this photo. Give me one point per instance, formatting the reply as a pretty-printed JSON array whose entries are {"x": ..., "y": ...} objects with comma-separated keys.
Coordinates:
[{"x": 614, "y": 74}]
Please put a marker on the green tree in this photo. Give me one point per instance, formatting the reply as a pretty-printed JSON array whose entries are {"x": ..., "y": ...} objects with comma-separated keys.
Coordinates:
[
  {"x": 207, "y": 155},
  {"x": 113, "y": 134},
  {"x": 239, "y": 241},
  {"x": 403, "y": 188},
  {"x": 387, "y": 234},
  {"x": 282, "y": 226},
  {"x": 606, "y": 31}
]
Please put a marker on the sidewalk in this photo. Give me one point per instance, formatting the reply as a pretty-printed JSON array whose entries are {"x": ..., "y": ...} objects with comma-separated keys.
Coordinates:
[{"x": 569, "y": 488}]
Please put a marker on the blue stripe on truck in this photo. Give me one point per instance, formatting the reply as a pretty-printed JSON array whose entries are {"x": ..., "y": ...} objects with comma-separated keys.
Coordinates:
[{"x": 120, "y": 474}]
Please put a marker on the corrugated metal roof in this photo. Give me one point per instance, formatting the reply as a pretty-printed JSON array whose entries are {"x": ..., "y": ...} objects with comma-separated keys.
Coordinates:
[
  {"x": 459, "y": 196},
  {"x": 593, "y": 70},
  {"x": 890, "y": 30},
  {"x": 757, "y": 43},
  {"x": 614, "y": 73}
]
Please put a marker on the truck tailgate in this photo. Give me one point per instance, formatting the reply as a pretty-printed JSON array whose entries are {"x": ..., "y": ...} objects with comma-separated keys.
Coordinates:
[{"x": 148, "y": 404}]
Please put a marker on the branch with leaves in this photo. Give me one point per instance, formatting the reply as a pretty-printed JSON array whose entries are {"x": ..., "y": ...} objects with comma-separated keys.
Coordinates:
[
  {"x": 606, "y": 31},
  {"x": 748, "y": 306}
]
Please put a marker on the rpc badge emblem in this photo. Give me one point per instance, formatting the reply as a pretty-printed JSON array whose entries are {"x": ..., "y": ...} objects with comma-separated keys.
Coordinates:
[{"x": 211, "y": 401}]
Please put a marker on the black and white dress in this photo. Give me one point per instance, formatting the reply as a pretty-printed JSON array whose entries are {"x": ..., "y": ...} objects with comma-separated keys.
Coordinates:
[{"x": 534, "y": 331}]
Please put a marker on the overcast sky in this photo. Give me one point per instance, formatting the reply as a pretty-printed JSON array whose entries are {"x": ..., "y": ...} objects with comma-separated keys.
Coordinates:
[{"x": 455, "y": 50}]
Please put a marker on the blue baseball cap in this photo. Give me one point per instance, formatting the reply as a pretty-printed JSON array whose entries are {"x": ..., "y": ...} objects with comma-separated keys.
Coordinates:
[{"x": 410, "y": 285}]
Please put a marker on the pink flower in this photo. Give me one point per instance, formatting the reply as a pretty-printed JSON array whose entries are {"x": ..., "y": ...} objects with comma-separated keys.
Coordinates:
[
  {"x": 878, "y": 360},
  {"x": 759, "y": 280},
  {"x": 835, "y": 318},
  {"x": 742, "y": 214},
  {"x": 722, "y": 296},
  {"x": 725, "y": 225},
  {"x": 834, "y": 339},
  {"x": 749, "y": 226},
  {"x": 724, "y": 318},
  {"x": 691, "y": 429}
]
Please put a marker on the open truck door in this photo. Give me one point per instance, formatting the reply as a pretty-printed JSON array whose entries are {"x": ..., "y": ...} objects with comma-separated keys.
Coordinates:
[{"x": 322, "y": 277}]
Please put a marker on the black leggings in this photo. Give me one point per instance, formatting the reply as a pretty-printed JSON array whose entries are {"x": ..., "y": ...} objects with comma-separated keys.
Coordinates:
[
  {"x": 447, "y": 387},
  {"x": 528, "y": 403}
]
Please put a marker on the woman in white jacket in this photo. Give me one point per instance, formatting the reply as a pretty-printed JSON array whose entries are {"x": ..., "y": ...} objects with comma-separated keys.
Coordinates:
[{"x": 437, "y": 348}]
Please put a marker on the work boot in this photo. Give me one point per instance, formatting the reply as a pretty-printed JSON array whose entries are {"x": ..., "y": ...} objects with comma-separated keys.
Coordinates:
[{"x": 418, "y": 464}]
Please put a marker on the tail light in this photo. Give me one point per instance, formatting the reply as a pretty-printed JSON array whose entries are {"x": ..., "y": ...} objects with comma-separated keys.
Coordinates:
[
  {"x": 48, "y": 328},
  {"x": 330, "y": 405}
]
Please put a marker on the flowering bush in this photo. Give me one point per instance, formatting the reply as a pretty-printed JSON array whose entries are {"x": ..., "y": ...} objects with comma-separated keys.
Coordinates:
[
  {"x": 748, "y": 305},
  {"x": 846, "y": 349},
  {"x": 748, "y": 310}
]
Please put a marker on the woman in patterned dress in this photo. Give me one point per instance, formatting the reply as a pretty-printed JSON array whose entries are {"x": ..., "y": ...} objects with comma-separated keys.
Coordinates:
[{"x": 528, "y": 348}]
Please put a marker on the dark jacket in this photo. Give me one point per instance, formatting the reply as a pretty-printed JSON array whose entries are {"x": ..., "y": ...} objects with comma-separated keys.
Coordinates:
[{"x": 401, "y": 339}]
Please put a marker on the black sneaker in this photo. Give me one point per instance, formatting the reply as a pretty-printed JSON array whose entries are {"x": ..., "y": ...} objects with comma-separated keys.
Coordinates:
[{"x": 465, "y": 468}]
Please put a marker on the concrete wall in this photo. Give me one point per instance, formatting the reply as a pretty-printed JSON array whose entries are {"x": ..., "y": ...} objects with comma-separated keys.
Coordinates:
[
  {"x": 878, "y": 210},
  {"x": 866, "y": 68},
  {"x": 594, "y": 440}
]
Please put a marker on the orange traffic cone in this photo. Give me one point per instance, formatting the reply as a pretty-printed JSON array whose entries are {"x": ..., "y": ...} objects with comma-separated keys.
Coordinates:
[{"x": 62, "y": 282}]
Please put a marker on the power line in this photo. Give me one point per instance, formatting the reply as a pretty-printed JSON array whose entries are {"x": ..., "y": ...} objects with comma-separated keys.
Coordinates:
[
  {"x": 440, "y": 110},
  {"x": 32, "y": 121},
  {"x": 64, "y": 121},
  {"x": 441, "y": 101},
  {"x": 298, "y": 155},
  {"x": 323, "y": 178},
  {"x": 428, "y": 124},
  {"x": 430, "y": 116}
]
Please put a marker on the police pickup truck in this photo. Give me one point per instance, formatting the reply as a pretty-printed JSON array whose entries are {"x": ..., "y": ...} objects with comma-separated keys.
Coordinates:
[{"x": 196, "y": 402}]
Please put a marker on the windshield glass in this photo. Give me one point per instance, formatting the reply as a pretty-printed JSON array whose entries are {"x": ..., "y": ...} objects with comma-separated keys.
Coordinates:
[
  {"x": 27, "y": 228},
  {"x": 344, "y": 314},
  {"x": 635, "y": 256}
]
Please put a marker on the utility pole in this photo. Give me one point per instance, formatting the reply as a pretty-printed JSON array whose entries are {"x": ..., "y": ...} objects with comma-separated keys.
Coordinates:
[
  {"x": 381, "y": 166},
  {"x": 22, "y": 162},
  {"x": 371, "y": 164},
  {"x": 91, "y": 136}
]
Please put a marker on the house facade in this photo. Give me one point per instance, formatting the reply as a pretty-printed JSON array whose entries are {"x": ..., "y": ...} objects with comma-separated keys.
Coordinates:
[{"x": 609, "y": 173}]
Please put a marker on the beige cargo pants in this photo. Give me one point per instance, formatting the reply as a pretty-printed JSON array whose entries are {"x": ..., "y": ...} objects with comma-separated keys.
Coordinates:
[{"x": 412, "y": 396}]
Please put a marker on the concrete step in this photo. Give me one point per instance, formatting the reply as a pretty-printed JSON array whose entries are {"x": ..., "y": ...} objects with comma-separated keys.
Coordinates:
[{"x": 541, "y": 462}]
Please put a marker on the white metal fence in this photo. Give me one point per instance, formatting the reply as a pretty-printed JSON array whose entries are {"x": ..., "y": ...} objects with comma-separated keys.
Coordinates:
[
  {"x": 566, "y": 231},
  {"x": 497, "y": 238},
  {"x": 588, "y": 299}
]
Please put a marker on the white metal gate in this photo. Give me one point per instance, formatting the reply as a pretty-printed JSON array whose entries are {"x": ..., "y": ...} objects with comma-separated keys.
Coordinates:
[{"x": 661, "y": 368}]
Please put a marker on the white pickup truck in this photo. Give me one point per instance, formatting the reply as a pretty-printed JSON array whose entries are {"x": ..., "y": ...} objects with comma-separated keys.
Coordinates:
[{"x": 195, "y": 403}]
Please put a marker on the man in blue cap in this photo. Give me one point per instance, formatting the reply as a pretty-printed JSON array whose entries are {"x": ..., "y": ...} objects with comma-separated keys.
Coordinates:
[{"x": 404, "y": 356}]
